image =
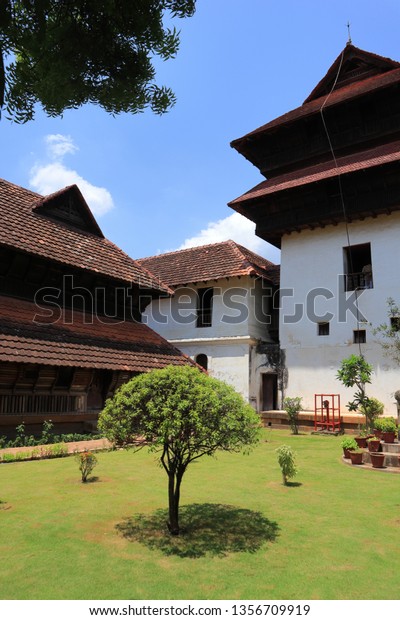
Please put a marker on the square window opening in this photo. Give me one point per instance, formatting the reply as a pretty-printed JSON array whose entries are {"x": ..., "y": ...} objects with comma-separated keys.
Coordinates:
[
  {"x": 359, "y": 336},
  {"x": 395, "y": 323},
  {"x": 323, "y": 329},
  {"x": 358, "y": 267}
]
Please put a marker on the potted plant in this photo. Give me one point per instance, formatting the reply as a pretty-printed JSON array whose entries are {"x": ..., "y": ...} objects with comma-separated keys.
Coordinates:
[
  {"x": 378, "y": 427},
  {"x": 374, "y": 444},
  {"x": 389, "y": 431},
  {"x": 356, "y": 456},
  {"x": 362, "y": 437},
  {"x": 348, "y": 443},
  {"x": 377, "y": 459}
]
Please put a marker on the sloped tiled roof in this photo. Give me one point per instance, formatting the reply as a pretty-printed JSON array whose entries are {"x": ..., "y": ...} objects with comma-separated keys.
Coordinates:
[
  {"x": 378, "y": 156},
  {"x": 209, "y": 262},
  {"x": 313, "y": 105},
  {"x": 63, "y": 338},
  {"x": 22, "y": 226}
]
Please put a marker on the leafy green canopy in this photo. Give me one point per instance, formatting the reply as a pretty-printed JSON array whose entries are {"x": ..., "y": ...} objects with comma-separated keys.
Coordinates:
[
  {"x": 65, "y": 53},
  {"x": 182, "y": 412}
]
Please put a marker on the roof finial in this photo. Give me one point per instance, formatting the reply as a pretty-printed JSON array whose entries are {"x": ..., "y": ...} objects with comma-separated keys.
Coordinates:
[{"x": 348, "y": 28}]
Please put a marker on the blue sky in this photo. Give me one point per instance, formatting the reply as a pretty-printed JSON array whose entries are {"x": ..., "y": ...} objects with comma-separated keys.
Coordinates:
[{"x": 161, "y": 183}]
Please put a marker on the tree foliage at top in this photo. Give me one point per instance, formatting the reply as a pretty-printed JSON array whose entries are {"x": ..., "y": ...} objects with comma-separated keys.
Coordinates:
[
  {"x": 182, "y": 414},
  {"x": 65, "y": 53}
]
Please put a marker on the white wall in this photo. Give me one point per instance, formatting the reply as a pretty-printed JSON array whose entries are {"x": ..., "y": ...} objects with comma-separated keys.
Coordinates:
[
  {"x": 312, "y": 260},
  {"x": 233, "y": 311}
]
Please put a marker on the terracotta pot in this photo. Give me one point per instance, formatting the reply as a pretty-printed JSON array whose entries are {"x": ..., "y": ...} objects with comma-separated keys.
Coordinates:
[
  {"x": 374, "y": 446},
  {"x": 356, "y": 457},
  {"x": 389, "y": 436},
  {"x": 361, "y": 442},
  {"x": 346, "y": 453},
  {"x": 378, "y": 433},
  {"x": 377, "y": 459}
]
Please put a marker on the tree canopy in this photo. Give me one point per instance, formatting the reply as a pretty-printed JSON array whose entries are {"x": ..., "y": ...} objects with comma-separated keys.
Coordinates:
[
  {"x": 182, "y": 414},
  {"x": 64, "y": 53}
]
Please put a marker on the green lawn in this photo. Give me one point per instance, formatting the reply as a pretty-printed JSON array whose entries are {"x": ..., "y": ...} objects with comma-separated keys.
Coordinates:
[{"x": 333, "y": 536}]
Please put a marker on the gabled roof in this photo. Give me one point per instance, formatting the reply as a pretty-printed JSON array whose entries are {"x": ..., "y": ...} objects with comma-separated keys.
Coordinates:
[
  {"x": 209, "y": 262},
  {"x": 69, "y": 206},
  {"x": 344, "y": 91},
  {"x": 355, "y": 65},
  {"x": 28, "y": 223},
  {"x": 370, "y": 158},
  {"x": 70, "y": 339}
]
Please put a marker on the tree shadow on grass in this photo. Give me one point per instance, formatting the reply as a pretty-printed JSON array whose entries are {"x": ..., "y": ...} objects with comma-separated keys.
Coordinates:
[{"x": 207, "y": 529}]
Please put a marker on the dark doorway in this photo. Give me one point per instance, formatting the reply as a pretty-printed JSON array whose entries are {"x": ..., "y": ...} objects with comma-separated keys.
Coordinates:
[{"x": 269, "y": 391}]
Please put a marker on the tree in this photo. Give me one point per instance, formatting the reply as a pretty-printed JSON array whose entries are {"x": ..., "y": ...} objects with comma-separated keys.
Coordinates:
[
  {"x": 292, "y": 406},
  {"x": 64, "y": 53},
  {"x": 355, "y": 371},
  {"x": 182, "y": 414},
  {"x": 390, "y": 332}
]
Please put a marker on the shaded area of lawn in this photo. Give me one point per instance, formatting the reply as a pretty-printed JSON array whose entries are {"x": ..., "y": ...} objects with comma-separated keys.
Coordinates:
[{"x": 207, "y": 529}]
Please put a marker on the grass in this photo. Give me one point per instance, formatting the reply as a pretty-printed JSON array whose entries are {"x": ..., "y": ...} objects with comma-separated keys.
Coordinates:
[{"x": 333, "y": 535}]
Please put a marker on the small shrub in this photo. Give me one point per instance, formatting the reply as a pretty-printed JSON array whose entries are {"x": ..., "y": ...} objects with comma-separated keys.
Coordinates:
[
  {"x": 292, "y": 406},
  {"x": 47, "y": 432},
  {"x": 286, "y": 460},
  {"x": 87, "y": 462},
  {"x": 349, "y": 443}
]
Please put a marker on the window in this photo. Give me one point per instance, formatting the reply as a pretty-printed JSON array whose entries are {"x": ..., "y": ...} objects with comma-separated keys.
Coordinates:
[
  {"x": 359, "y": 336},
  {"x": 64, "y": 378},
  {"x": 358, "y": 267},
  {"x": 202, "y": 360},
  {"x": 323, "y": 329},
  {"x": 204, "y": 307},
  {"x": 395, "y": 323}
]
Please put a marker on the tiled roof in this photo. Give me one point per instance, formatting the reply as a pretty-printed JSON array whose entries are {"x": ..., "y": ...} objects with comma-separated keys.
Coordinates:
[
  {"x": 23, "y": 227},
  {"x": 350, "y": 91},
  {"x": 209, "y": 262},
  {"x": 63, "y": 338},
  {"x": 378, "y": 156}
]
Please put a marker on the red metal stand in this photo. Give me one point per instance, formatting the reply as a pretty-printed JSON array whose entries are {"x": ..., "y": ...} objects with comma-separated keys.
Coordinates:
[{"x": 327, "y": 412}]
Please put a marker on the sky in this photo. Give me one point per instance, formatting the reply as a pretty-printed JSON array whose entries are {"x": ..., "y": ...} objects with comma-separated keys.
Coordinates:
[{"x": 161, "y": 183}]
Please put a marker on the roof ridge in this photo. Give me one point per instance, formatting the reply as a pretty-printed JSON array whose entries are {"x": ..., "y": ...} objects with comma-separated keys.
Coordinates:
[{"x": 193, "y": 247}]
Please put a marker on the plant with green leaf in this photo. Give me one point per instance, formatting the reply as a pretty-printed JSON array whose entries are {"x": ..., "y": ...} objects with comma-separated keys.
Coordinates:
[
  {"x": 292, "y": 406},
  {"x": 87, "y": 461},
  {"x": 355, "y": 371},
  {"x": 63, "y": 54},
  {"x": 349, "y": 443},
  {"x": 181, "y": 414},
  {"x": 389, "y": 332},
  {"x": 287, "y": 463}
]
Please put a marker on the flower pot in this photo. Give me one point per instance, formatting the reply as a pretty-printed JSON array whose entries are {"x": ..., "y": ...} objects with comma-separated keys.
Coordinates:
[
  {"x": 361, "y": 442},
  {"x": 374, "y": 446},
  {"x": 377, "y": 459},
  {"x": 356, "y": 457},
  {"x": 378, "y": 433},
  {"x": 346, "y": 453},
  {"x": 389, "y": 436}
]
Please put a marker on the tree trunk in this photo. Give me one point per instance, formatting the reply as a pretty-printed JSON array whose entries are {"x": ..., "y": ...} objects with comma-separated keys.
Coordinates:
[{"x": 174, "y": 491}]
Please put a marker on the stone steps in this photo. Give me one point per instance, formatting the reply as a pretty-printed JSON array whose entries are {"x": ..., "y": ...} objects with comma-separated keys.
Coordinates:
[{"x": 391, "y": 452}]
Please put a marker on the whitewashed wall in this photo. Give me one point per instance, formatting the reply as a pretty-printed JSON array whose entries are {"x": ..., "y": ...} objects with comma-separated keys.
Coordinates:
[
  {"x": 230, "y": 343},
  {"x": 312, "y": 260}
]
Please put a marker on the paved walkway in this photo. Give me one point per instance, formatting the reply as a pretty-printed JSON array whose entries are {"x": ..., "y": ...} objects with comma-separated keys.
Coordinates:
[{"x": 73, "y": 446}]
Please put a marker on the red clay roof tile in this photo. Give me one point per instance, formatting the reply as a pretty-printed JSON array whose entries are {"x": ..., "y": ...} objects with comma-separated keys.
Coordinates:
[
  {"x": 209, "y": 262},
  {"x": 80, "y": 340},
  {"x": 378, "y": 156},
  {"x": 24, "y": 228}
]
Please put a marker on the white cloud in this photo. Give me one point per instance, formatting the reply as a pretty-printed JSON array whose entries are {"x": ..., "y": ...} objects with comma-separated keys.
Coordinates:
[
  {"x": 46, "y": 178},
  {"x": 239, "y": 229},
  {"x": 59, "y": 145}
]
